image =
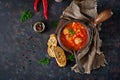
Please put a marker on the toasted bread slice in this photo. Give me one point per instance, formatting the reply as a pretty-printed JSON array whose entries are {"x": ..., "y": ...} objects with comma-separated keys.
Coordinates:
[
  {"x": 50, "y": 51},
  {"x": 52, "y": 40},
  {"x": 60, "y": 56}
]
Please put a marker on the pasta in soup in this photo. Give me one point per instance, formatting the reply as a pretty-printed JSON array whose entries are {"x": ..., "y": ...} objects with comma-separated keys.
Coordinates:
[{"x": 74, "y": 36}]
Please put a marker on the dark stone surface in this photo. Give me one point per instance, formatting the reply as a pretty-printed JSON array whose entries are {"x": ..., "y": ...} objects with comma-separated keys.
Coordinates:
[{"x": 21, "y": 48}]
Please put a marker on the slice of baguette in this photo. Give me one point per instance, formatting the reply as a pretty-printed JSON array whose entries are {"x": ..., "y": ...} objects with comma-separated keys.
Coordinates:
[
  {"x": 50, "y": 51},
  {"x": 60, "y": 56},
  {"x": 52, "y": 42}
]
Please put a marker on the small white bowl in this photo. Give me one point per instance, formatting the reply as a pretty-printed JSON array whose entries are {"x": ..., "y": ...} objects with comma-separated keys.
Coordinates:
[
  {"x": 58, "y": 0},
  {"x": 39, "y": 27}
]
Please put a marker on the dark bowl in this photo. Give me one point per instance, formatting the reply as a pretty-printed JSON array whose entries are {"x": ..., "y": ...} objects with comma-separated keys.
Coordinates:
[{"x": 89, "y": 32}]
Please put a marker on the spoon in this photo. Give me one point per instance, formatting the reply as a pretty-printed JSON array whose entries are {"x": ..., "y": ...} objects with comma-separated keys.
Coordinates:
[{"x": 80, "y": 67}]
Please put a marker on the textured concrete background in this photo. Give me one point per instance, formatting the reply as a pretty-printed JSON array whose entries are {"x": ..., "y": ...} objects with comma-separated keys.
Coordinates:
[{"x": 21, "y": 48}]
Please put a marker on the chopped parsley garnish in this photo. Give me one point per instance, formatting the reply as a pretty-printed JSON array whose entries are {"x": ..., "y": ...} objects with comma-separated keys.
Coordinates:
[{"x": 71, "y": 31}]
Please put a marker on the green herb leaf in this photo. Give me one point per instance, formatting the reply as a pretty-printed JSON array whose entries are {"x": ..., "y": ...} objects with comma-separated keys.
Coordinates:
[
  {"x": 71, "y": 31},
  {"x": 70, "y": 57},
  {"x": 25, "y": 15},
  {"x": 54, "y": 23},
  {"x": 44, "y": 61}
]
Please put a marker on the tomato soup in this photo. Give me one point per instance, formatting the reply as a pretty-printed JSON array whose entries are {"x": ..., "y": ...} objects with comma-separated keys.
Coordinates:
[{"x": 74, "y": 36}]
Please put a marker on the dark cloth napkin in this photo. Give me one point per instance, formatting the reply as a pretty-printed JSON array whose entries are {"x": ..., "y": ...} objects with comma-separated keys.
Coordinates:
[{"x": 91, "y": 57}]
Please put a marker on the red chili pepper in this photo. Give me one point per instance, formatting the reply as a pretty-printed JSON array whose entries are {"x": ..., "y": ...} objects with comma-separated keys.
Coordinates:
[
  {"x": 45, "y": 5},
  {"x": 36, "y": 5}
]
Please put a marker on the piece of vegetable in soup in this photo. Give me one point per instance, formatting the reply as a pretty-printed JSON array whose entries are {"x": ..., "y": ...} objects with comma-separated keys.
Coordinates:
[
  {"x": 78, "y": 40},
  {"x": 74, "y": 36},
  {"x": 65, "y": 31}
]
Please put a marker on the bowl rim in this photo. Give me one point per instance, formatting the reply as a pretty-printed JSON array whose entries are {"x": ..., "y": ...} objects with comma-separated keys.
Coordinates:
[
  {"x": 89, "y": 32},
  {"x": 43, "y": 26}
]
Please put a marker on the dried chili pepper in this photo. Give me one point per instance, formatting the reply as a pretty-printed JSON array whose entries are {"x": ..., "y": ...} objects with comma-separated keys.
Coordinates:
[
  {"x": 36, "y": 5},
  {"x": 45, "y": 5}
]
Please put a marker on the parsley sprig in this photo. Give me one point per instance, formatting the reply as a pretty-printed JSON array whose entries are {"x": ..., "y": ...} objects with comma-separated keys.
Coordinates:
[
  {"x": 71, "y": 31},
  {"x": 70, "y": 57},
  {"x": 25, "y": 15},
  {"x": 54, "y": 23},
  {"x": 44, "y": 61}
]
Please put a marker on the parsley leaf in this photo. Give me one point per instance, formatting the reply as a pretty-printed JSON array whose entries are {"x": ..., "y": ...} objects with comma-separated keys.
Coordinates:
[
  {"x": 54, "y": 23},
  {"x": 70, "y": 57},
  {"x": 44, "y": 61},
  {"x": 25, "y": 15},
  {"x": 71, "y": 31}
]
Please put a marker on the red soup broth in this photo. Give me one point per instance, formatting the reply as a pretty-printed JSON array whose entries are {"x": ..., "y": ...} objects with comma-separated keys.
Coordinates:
[{"x": 74, "y": 36}]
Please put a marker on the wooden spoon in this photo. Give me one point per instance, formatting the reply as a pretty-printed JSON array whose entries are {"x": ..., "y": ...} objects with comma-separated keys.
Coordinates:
[{"x": 103, "y": 16}]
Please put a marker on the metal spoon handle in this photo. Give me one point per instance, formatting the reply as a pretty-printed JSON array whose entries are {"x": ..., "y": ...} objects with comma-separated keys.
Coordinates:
[{"x": 80, "y": 67}]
